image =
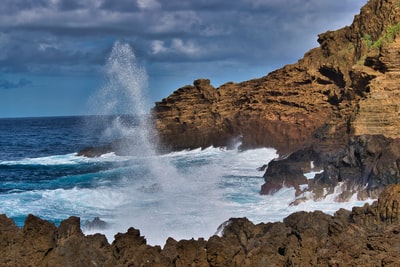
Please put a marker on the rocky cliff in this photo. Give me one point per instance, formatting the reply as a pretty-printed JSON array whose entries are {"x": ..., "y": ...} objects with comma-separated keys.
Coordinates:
[
  {"x": 342, "y": 93},
  {"x": 365, "y": 236},
  {"x": 347, "y": 85}
]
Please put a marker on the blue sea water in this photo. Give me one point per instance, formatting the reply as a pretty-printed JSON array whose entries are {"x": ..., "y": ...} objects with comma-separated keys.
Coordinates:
[{"x": 182, "y": 194}]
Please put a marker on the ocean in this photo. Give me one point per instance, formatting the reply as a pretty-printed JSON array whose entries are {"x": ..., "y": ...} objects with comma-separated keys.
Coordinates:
[{"x": 182, "y": 194}]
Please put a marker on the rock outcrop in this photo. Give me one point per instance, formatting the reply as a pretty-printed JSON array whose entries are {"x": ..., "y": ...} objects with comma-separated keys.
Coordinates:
[
  {"x": 365, "y": 236},
  {"x": 331, "y": 102},
  {"x": 364, "y": 166}
]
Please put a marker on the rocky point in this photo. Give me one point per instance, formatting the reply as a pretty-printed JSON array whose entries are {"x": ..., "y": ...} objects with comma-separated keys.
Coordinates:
[{"x": 338, "y": 106}]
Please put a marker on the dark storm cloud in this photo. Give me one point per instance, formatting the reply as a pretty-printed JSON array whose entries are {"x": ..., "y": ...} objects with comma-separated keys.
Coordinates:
[{"x": 39, "y": 33}]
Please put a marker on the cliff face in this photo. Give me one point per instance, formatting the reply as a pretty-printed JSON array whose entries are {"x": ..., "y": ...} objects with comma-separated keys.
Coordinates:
[
  {"x": 348, "y": 85},
  {"x": 337, "y": 96},
  {"x": 365, "y": 236}
]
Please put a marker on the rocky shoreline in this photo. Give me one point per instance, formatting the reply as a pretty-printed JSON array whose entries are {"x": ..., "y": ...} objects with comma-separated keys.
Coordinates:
[
  {"x": 338, "y": 106},
  {"x": 365, "y": 236}
]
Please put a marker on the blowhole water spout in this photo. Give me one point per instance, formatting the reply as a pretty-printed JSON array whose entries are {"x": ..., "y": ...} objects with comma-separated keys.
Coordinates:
[{"x": 123, "y": 96}]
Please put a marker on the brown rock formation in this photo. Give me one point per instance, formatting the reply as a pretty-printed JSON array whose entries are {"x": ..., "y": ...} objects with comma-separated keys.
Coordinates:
[
  {"x": 365, "y": 236},
  {"x": 345, "y": 89},
  {"x": 379, "y": 111},
  {"x": 347, "y": 85}
]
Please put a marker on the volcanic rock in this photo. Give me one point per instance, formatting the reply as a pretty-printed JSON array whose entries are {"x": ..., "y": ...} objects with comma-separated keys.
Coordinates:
[
  {"x": 120, "y": 147},
  {"x": 96, "y": 223},
  {"x": 365, "y": 236},
  {"x": 345, "y": 86},
  {"x": 338, "y": 101},
  {"x": 364, "y": 166}
]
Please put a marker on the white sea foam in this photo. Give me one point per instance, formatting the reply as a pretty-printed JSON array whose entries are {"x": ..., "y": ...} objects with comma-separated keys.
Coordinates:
[
  {"x": 67, "y": 159},
  {"x": 49, "y": 160},
  {"x": 191, "y": 200},
  {"x": 195, "y": 192}
]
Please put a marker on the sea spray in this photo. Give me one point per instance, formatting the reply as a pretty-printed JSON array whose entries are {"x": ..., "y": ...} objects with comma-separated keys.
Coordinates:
[
  {"x": 181, "y": 194},
  {"x": 124, "y": 97},
  {"x": 160, "y": 193}
]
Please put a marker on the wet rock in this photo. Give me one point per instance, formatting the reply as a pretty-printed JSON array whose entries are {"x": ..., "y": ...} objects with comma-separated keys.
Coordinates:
[
  {"x": 363, "y": 167},
  {"x": 92, "y": 152},
  {"x": 289, "y": 172},
  {"x": 119, "y": 147},
  {"x": 96, "y": 223}
]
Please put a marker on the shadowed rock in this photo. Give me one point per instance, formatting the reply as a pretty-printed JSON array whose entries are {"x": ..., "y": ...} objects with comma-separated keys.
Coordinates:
[{"x": 96, "y": 223}]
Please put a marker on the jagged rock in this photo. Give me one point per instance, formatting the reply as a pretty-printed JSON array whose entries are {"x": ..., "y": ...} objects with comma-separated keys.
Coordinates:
[
  {"x": 365, "y": 236},
  {"x": 96, "y": 223},
  {"x": 364, "y": 166},
  {"x": 389, "y": 204},
  {"x": 130, "y": 249},
  {"x": 378, "y": 113},
  {"x": 290, "y": 171}
]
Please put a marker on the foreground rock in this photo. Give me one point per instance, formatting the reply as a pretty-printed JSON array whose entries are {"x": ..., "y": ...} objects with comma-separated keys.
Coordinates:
[
  {"x": 363, "y": 167},
  {"x": 365, "y": 236},
  {"x": 334, "y": 101}
]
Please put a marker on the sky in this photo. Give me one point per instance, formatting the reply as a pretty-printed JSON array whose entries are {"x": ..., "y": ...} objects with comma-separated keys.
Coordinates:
[{"x": 53, "y": 53}]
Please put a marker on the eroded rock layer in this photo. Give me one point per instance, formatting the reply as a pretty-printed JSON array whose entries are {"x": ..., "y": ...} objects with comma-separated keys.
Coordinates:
[{"x": 347, "y": 85}]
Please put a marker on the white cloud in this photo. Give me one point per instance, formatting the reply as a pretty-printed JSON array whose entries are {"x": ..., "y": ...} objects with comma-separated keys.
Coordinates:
[
  {"x": 148, "y": 4},
  {"x": 188, "y": 48},
  {"x": 45, "y": 46},
  {"x": 175, "y": 46},
  {"x": 157, "y": 47}
]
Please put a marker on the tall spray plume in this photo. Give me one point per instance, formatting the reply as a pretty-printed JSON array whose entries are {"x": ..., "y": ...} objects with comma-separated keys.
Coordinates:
[{"x": 124, "y": 98}]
